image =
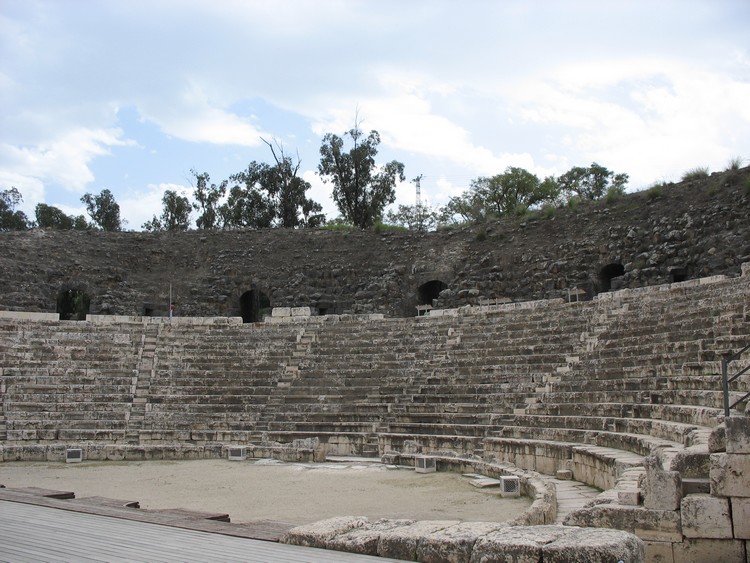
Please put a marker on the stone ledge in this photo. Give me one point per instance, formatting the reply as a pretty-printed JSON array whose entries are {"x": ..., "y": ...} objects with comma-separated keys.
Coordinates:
[{"x": 429, "y": 541}]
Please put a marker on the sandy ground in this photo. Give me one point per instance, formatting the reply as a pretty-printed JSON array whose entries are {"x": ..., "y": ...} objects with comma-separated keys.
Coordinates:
[{"x": 288, "y": 492}]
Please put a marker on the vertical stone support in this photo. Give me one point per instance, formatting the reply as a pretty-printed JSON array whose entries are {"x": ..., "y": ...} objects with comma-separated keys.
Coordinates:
[{"x": 662, "y": 489}]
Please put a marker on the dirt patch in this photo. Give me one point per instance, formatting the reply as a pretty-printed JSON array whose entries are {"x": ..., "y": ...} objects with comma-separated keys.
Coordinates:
[{"x": 289, "y": 492}]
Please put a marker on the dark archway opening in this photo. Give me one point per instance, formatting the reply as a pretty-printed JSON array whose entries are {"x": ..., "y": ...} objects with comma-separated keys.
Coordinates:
[
  {"x": 73, "y": 304},
  {"x": 608, "y": 273},
  {"x": 677, "y": 275},
  {"x": 253, "y": 305},
  {"x": 430, "y": 291}
]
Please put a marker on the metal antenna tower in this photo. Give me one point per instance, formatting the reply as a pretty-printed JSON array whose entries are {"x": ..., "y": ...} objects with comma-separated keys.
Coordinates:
[{"x": 417, "y": 181}]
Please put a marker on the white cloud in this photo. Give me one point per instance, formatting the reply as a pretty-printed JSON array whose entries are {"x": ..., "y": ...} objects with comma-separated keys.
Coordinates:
[
  {"x": 651, "y": 116},
  {"x": 196, "y": 118},
  {"x": 64, "y": 161},
  {"x": 141, "y": 206}
]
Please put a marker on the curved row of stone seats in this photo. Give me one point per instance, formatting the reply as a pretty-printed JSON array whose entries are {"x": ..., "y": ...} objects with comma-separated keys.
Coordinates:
[{"x": 67, "y": 381}]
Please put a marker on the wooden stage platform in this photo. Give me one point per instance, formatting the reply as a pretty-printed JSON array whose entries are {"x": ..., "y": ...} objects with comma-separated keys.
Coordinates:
[{"x": 39, "y": 525}]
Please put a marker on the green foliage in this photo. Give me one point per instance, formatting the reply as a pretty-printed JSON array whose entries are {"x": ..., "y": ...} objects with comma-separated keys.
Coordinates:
[
  {"x": 511, "y": 193},
  {"x": 10, "y": 218},
  {"x": 481, "y": 234},
  {"x": 385, "y": 228},
  {"x": 361, "y": 190},
  {"x": 49, "y": 217},
  {"x": 207, "y": 198},
  {"x": 175, "y": 215},
  {"x": 573, "y": 203},
  {"x": 548, "y": 211},
  {"x": 591, "y": 182},
  {"x": 338, "y": 224},
  {"x": 249, "y": 204},
  {"x": 747, "y": 185},
  {"x": 267, "y": 196},
  {"x": 413, "y": 217},
  {"x": 697, "y": 173},
  {"x": 614, "y": 193},
  {"x": 735, "y": 164},
  {"x": 288, "y": 191},
  {"x": 103, "y": 210},
  {"x": 654, "y": 192}
]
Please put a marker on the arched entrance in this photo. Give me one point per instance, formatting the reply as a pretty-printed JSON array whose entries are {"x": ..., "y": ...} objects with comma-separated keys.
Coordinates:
[
  {"x": 72, "y": 304},
  {"x": 429, "y": 291},
  {"x": 253, "y": 304},
  {"x": 677, "y": 275},
  {"x": 608, "y": 273}
]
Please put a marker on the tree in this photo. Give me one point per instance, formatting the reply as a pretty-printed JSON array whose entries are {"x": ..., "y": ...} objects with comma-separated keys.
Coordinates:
[
  {"x": 175, "y": 215},
  {"x": 249, "y": 204},
  {"x": 360, "y": 190},
  {"x": 103, "y": 210},
  {"x": 414, "y": 217},
  {"x": 288, "y": 190},
  {"x": 10, "y": 218},
  {"x": 207, "y": 196},
  {"x": 267, "y": 196},
  {"x": 49, "y": 217},
  {"x": 512, "y": 192},
  {"x": 591, "y": 182}
]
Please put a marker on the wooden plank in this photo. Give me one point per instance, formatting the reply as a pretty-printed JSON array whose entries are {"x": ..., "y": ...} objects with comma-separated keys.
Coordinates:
[{"x": 33, "y": 533}]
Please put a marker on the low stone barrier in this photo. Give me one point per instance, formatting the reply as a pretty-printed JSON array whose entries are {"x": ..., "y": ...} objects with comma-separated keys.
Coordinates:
[
  {"x": 451, "y": 540},
  {"x": 543, "y": 509},
  {"x": 156, "y": 452}
]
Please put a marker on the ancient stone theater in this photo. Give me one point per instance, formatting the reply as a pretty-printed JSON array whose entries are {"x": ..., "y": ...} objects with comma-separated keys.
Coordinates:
[{"x": 606, "y": 345}]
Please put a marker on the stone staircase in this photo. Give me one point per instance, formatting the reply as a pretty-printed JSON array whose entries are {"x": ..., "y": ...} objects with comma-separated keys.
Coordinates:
[{"x": 142, "y": 377}]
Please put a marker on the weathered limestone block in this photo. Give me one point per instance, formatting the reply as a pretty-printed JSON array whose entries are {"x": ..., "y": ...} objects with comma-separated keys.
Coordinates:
[
  {"x": 34, "y": 453},
  {"x": 300, "y": 311},
  {"x": 659, "y": 552},
  {"x": 365, "y": 540},
  {"x": 515, "y": 545},
  {"x": 741, "y": 517},
  {"x": 402, "y": 542},
  {"x": 657, "y": 525},
  {"x": 662, "y": 490},
  {"x": 730, "y": 475},
  {"x": 704, "y": 516},
  {"x": 281, "y": 312},
  {"x": 604, "y": 516},
  {"x": 629, "y": 497},
  {"x": 594, "y": 545},
  {"x": 717, "y": 440},
  {"x": 454, "y": 544},
  {"x": 115, "y": 453},
  {"x": 319, "y": 534},
  {"x": 705, "y": 550},
  {"x": 738, "y": 434}
]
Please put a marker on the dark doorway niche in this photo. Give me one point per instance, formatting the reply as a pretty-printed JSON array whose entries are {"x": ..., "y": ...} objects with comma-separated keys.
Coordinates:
[
  {"x": 253, "y": 304},
  {"x": 72, "y": 304},
  {"x": 429, "y": 291},
  {"x": 608, "y": 273},
  {"x": 677, "y": 275}
]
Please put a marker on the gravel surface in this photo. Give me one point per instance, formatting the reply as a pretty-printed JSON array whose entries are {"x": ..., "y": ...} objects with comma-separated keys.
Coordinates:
[{"x": 291, "y": 492}]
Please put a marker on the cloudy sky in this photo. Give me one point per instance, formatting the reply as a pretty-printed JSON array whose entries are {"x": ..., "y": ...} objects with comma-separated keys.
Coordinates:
[{"x": 131, "y": 95}]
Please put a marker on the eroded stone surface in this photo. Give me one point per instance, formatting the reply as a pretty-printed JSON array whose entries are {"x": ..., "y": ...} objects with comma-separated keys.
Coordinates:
[
  {"x": 454, "y": 544},
  {"x": 401, "y": 542},
  {"x": 587, "y": 544},
  {"x": 515, "y": 544},
  {"x": 730, "y": 475},
  {"x": 319, "y": 534},
  {"x": 365, "y": 539},
  {"x": 704, "y": 516}
]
